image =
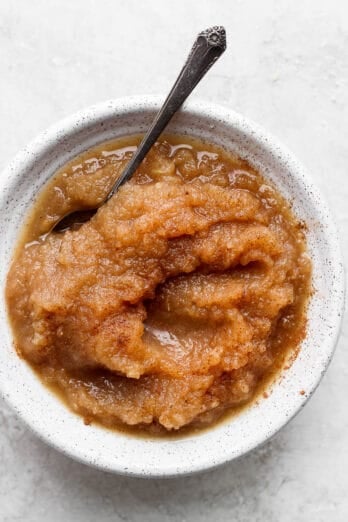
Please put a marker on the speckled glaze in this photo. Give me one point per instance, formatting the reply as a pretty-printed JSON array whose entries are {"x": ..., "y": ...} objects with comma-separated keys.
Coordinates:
[{"x": 117, "y": 452}]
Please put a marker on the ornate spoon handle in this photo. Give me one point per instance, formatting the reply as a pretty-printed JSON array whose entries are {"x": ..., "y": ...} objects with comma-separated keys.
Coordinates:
[{"x": 209, "y": 45}]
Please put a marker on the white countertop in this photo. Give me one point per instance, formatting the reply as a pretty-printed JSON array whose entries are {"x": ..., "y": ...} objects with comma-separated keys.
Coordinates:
[{"x": 287, "y": 68}]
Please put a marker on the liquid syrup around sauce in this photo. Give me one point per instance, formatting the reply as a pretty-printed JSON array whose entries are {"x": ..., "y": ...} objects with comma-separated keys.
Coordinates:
[{"x": 48, "y": 206}]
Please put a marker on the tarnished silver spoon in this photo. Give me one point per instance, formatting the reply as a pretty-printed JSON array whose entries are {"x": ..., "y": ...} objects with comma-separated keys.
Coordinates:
[{"x": 208, "y": 47}]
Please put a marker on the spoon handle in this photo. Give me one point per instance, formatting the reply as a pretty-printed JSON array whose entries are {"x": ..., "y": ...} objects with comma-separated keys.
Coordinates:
[{"x": 209, "y": 45}]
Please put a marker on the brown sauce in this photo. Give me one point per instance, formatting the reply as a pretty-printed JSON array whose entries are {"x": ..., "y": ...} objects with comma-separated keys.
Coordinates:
[{"x": 176, "y": 303}]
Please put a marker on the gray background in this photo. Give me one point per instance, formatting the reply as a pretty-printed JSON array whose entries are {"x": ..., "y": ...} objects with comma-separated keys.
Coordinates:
[{"x": 287, "y": 68}]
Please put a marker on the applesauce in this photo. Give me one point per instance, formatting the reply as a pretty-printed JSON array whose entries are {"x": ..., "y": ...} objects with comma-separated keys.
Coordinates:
[{"x": 176, "y": 302}]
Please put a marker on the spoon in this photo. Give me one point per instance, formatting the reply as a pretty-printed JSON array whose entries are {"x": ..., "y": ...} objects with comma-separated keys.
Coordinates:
[{"x": 207, "y": 48}]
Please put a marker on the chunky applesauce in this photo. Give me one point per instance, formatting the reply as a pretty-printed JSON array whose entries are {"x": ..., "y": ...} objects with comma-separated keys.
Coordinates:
[{"x": 175, "y": 302}]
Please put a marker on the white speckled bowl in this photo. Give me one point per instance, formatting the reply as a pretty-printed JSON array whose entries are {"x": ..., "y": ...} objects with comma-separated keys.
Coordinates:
[{"x": 121, "y": 453}]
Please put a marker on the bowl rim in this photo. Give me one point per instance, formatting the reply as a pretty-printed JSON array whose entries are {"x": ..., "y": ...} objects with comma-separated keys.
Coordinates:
[{"x": 91, "y": 115}]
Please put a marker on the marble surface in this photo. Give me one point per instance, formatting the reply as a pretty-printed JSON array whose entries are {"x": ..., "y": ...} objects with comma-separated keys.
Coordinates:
[{"x": 287, "y": 68}]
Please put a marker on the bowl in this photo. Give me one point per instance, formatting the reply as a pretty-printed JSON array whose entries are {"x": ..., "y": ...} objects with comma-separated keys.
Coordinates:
[{"x": 153, "y": 457}]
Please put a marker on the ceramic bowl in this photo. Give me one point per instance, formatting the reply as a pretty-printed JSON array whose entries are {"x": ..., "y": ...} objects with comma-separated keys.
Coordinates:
[{"x": 146, "y": 457}]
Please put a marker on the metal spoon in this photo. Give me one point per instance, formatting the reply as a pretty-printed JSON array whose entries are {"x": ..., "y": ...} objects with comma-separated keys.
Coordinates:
[{"x": 208, "y": 47}]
